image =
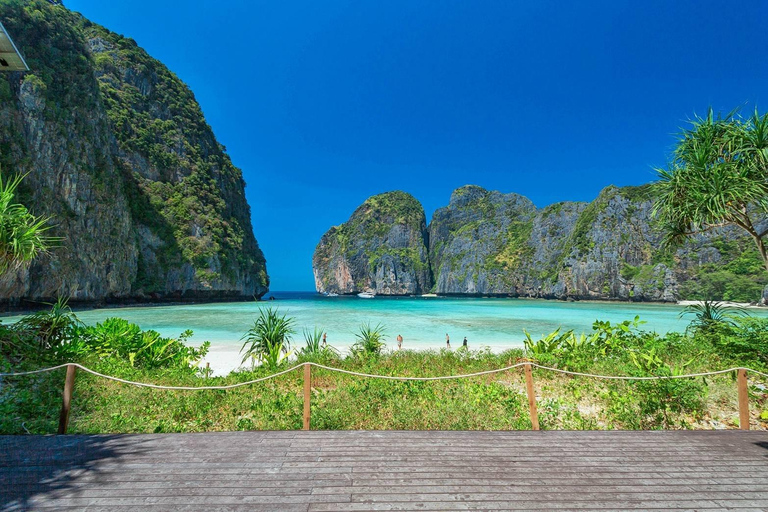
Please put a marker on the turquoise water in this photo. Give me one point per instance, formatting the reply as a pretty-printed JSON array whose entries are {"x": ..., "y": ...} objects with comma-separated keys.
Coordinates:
[{"x": 422, "y": 321}]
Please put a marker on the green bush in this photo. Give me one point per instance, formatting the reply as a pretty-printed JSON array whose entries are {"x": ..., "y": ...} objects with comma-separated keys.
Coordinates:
[
  {"x": 370, "y": 340},
  {"x": 660, "y": 401},
  {"x": 269, "y": 340},
  {"x": 57, "y": 335},
  {"x": 339, "y": 401},
  {"x": 744, "y": 341}
]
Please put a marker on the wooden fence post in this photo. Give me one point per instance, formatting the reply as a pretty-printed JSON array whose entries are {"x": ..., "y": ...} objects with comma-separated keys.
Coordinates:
[
  {"x": 69, "y": 386},
  {"x": 531, "y": 397},
  {"x": 741, "y": 383},
  {"x": 307, "y": 393}
]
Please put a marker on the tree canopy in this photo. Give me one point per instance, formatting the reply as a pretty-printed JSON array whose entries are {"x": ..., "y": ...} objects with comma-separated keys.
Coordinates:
[{"x": 718, "y": 177}]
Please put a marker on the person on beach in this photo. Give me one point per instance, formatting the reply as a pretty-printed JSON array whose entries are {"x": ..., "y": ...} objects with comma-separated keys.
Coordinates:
[
  {"x": 399, "y": 342},
  {"x": 325, "y": 335},
  {"x": 465, "y": 342},
  {"x": 447, "y": 341}
]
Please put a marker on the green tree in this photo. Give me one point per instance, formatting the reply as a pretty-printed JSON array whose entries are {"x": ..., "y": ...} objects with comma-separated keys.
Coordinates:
[
  {"x": 718, "y": 177},
  {"x": 22, "y": 235}
]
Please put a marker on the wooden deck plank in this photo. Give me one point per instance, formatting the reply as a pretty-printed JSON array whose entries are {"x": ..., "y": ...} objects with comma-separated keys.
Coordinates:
[
  {"x": 353, "y": 470},
  {"x": 522, "y": 505}
]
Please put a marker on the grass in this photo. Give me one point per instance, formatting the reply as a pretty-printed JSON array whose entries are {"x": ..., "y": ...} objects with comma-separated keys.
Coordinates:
[
  {"x": 30, "y": 404},
  {"x": 339, "y": 401}
]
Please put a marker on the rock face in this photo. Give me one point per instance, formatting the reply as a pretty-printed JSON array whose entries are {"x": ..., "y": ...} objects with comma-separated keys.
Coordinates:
[
  {"x": 492, "y": 244},
  {"x": 117, "y": 153},
  {"x": 478, "y": 241},
  {"x": 382, "y": 248}
]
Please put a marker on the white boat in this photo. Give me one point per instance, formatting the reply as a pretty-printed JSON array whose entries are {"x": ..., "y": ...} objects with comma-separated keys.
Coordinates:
[
  {"x": 331, "y": 294},
  {"x": 366, "y": 295}
]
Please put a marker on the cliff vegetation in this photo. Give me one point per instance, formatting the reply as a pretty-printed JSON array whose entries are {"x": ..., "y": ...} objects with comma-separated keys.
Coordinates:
[
  {"x": 118, "y": 153},
  {"x": 487, "y": 243},
  {"x": 382, "y": 248}
]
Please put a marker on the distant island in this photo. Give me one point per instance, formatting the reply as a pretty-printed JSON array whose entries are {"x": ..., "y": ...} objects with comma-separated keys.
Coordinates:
[{"x": 485, "y": 243}]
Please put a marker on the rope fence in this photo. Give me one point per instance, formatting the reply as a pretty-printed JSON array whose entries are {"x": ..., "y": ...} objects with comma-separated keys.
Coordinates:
[{"x": 69, "y": 383}]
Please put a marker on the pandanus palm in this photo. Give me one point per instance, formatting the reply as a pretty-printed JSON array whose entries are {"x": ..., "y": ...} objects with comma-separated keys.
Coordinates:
[
  {"x": 710, "y": 313},
  {"x": 718, "y": 177},
  {"x": 22, "y": 235},
  {"x": 269, "y": 339},
  {"x": 370, "y": 340}
]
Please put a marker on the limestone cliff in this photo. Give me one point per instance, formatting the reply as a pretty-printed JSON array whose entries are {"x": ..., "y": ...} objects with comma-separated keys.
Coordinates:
[
  {"x": 117, "y": 152},
  {"x": 479, "y": 240},
  {"x": 486, "y": 243},
  {"x": 492, "y": 244},
  {"x": 382, "y": 248}
]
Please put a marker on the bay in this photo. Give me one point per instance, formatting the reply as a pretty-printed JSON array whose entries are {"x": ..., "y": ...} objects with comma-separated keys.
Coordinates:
[{"x": 422, "y": 321}]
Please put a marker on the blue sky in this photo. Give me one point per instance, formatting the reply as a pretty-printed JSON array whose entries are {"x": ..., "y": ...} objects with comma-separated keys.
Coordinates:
[{"x": 324, "y": 103}]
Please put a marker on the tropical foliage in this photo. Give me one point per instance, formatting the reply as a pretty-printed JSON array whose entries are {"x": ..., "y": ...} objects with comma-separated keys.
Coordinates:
[
  {"x": 711, "y": 312},
  {"x": 314, "y": 347},
  {"x": 718, "y": 177},
  {"x": 339, "y": 401},
  {"x": 571, "y": 350},
  {"x": 269, "y": 340},
  {"x": 370, "y": 340},
  {"x": 57, "y": 335},
  {"x": 22, "y": 235}
]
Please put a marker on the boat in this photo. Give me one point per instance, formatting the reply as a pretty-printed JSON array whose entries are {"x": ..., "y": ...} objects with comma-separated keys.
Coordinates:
[
  {"x": 366, "y": 295},
  {"x": 330, "y": 294}
]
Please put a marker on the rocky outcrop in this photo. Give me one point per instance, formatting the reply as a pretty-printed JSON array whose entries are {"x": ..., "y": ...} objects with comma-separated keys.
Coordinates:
[
  {"x": 486, "y": 243},
  {"x": 479, "y": 240},
  {"x": 382, "y": 248},
  {"x": 117, "y": 153}
]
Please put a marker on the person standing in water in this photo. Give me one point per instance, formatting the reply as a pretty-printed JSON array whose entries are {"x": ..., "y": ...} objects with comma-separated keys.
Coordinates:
[
  {"x": 325, "y": 335},
  {"x": 447, "y": 341},
  {"x": 399, "y": 342},
  {"x": 465, "y": 342}
]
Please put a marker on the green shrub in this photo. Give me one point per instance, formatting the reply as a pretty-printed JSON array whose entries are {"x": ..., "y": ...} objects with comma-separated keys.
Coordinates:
[
  {"x": 269, "y": 340},
  {"x": 660, "y": 401},
  {"x": 120, "y": 339},
  {"x": 370, "y": 340},
  {"x": 744, "y": 341},
  {"x": 50, "y": 328}
]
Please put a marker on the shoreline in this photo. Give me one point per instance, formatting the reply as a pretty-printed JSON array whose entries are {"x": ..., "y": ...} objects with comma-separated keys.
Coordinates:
[
  {"x": 30, "y": 306},
  {"x": 724, "y": 303},
  {"x": 225, "y": 361}
]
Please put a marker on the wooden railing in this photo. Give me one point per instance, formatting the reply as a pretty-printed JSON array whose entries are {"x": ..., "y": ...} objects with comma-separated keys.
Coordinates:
[{"x": 69, "y": 385}]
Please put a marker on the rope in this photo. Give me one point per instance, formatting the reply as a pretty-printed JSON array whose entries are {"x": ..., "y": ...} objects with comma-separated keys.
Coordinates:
[
  {"x": 385, "y": 377},
  {"x": 659, "y": 377},
  {"x": 394, "y": 377},
  {"x": 17, "y": 374},
  {"x": 757, "y": 372},
  {"x": 154, "y": 386},
  {"x": 557, "y": 370}
]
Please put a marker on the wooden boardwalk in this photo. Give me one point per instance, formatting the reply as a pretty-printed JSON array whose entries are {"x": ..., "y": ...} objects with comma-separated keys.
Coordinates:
[{"x": 343, "y": 470}]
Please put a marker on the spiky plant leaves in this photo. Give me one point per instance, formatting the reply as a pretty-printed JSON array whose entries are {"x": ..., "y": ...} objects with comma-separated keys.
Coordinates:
[
  {"x": 718, "y": 177},
  {"x": 370, "y": 340},
  {"x": 22, "y": 235},
  {"x": 271, "y": 333}
]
